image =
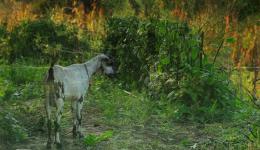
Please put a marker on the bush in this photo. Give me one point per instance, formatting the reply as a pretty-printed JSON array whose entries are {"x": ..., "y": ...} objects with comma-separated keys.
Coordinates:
[
  {"x": 169, "y": 54},
  {"x": 207, "y": 94},
  {"x": 10, "y": 129},
  {"x": 4, "y": 46},
  {"x": 202, "y": 95},
  {"x": 141, "y": 47},
  {"x": 126, "y": 41},
  {"x": 44, "y": 39}
]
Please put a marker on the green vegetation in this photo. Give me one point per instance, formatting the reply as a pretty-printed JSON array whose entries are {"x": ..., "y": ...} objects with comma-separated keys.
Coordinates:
[
  {"x": 169, "y": 55},
  {"x": 11, "y": 130},
  {"x": 92, "y": 139},
  {"x": 136, "y": 121},
  {"x": 43, "y": 39},
  {"x": 179, "y": 83}
]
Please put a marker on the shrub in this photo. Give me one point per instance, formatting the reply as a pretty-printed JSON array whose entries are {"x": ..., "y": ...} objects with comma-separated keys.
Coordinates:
[
  {"x": 4, "y": 46},
  {"x": 10, "y": 129},
  {"x": 44, "y": 39},
  {"x": 142, "y": 46},
  {"x": 169, "y": 54},
  {"x": 208, "y": 94},
  {"x": 126, "y": 41},
  {"x": 3, "y": 32},
  {"x": 202, "y": 95},
  {"x": 28, "y": 38}
]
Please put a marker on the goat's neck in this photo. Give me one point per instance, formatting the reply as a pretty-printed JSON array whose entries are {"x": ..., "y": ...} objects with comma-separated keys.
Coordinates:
[{"x": 92, "y": 65}]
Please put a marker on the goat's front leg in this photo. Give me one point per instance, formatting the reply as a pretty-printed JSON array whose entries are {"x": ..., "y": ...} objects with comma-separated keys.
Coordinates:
[
  {"x": 79, "y": 116},
  {"x": 59, "y": 106}
]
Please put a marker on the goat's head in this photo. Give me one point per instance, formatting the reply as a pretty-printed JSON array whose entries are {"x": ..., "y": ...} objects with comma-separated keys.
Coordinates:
[{"x": 107, "y": 65}]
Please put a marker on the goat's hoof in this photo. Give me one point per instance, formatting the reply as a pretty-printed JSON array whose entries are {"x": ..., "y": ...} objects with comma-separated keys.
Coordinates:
[
  {"x": 74, "y": 132},
  {"x": 59, "y": 146},
  {"x": 80, "y": 135},
  {"x": 74, "y": 135}
]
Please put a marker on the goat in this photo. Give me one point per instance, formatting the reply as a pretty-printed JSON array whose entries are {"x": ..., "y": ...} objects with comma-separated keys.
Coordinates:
[{"x": 70, "y": 83}]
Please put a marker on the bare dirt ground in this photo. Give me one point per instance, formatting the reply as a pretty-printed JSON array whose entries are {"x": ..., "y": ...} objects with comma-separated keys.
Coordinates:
[
  {"x": 118, "y": 111},
  {"x": 128, "y": 137},
  {"x": 148, "y": 136}
]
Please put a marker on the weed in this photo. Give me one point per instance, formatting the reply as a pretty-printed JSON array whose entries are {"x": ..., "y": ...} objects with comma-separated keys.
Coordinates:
[{"x": 93, "y": 139}]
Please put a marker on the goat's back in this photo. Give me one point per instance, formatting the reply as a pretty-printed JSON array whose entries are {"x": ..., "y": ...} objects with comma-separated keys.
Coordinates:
[{"x": 74, "y": 79}]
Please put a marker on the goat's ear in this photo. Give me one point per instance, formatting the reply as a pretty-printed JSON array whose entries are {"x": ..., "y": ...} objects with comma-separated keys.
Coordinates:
[{"x": 103, "y": 56}]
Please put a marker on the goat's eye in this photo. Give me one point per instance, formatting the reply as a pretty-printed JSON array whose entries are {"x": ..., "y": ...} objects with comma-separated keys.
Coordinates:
[{"x": 107, "y": 61}]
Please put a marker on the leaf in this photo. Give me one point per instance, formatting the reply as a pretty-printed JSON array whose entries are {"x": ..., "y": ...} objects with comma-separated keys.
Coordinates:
[
  {"x": 106, "y": 135},
  {"x": 165, "y": 61},
  {"x": 93, "y": 139},
  {"x": 230, "y": 40},
  {"x": 171, "y": 94},
  {"x": 194, "y": 53}
]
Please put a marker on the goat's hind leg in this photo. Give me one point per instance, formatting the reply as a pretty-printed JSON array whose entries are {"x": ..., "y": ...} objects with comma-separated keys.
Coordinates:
[
  {"x": 48, "y": 113},
  {"x": 77, "y": 117},
  {"x": 74, "y": 116},
  {"x": 57, "y": 123}
]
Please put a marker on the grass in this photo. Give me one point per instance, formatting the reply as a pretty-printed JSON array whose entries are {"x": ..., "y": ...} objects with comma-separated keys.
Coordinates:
[
  {"x": 119, "y": 107},
  {"x": 93, "y": 139},
  {"x": 136, "y": 121}
]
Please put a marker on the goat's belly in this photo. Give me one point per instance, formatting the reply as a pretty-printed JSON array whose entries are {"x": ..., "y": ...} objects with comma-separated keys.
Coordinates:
[
  {"x": 74, "y": 92},
  {"x": 72, "y": 97}
]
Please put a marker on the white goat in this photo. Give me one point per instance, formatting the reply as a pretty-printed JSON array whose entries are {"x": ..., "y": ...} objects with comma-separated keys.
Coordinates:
[{"x": 70, "y": 83}]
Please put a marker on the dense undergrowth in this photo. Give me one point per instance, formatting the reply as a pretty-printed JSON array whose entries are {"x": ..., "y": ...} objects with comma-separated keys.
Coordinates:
[{"x": 167, "y": 59}]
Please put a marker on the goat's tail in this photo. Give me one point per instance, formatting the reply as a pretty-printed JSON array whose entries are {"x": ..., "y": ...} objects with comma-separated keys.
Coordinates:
[{"x": 50, "y": 75}]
